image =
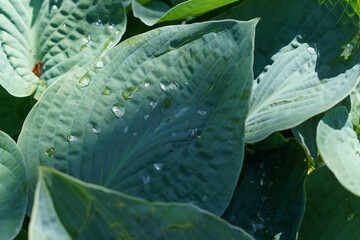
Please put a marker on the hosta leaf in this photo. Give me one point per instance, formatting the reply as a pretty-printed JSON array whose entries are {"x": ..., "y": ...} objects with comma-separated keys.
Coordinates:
[
  {"x": 154, "y": 11},
  {"x": 304, "y": 59},
  {"x": 269, "y": 201},
  {"x": 106, "y": 214},
  {"x": 13, "y": 112},
  {"x": 339, "y": 148},
  {"x": 13, "y": 188},
  {"x": 61, "y": 34},
  {"x": 331, "y": 212},
  {"x": 159, "y": 117}
]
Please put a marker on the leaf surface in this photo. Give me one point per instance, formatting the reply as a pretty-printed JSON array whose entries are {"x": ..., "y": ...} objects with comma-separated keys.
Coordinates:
[
  {"x": 153, "y": 12},
  {"x": 269, "y": 202},
  {"x": 331, "y": 212},
  {"x": 306, "y": 60},
  {"x": 13, "y": 188},
  {"x": 161, "y": 116},
  {"x": 106, "y": 214}
]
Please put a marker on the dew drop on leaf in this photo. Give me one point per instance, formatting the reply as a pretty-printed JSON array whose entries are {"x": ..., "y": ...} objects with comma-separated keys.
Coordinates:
[
  {"x": 146, "y": 116},
  {"x": 171, "y": 86},
  {"x": 126, "y": 129},
  {"x": 118, "y": 110},
  {"x": 146, "y": 179},
  {"x": 135, "y": 134},
  {"x": 202, "y": 112},
  {"x": 49, "y": 152},
  {"x": 99, "y": 22},
  {"x": 96, "y": 129},
  {"x": 84, "y": 80},
  {"x": 158, "y": 166},
  {"x": 153, "y": 104},
  {"x": 99, "y": 64},
  {"x": 71, "y": 138},
  {"x": 107, "y": 91}
]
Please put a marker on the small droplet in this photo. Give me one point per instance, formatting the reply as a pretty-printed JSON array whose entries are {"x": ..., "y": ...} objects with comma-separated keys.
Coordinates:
[
  {"x": 186, "y": 83},
  {"x": 96, "y": 129},
  {"x": 88, "y": 41},
  {"x": 202, "y": 112},
  {"x": 64, "y": 25},
  {"x": 134, "y": 134},
  {"x": 311, "y": 50},
  {"x": 49, "y": 152},
  {"x": 71, "y": 138},
  {"x": 146, "y": 116},
  {"x": 171, "y": 86},
  {"x": 146, "y": 179},
  {"x": 117, "y": 32},
  {"x": 107, "y": 91},
  {"x": 129, "y": 92},
  {"x": 99, "y": 64},
  {"x": 261, "y": 182},
  {"x": 54, "y": 7},
  {"x": 204, "y": 198},
  {"x": 118, "y": 110},
  {"x": 153, "y": 104},
  {"x": 158, "y": 166},
  {"x": 99, "y": 22},
  {"x": 126, "y": 129},
  {"x": 111, "y": 26},
  {"x": 196, "y": 132},
  {"x": 84, "y": 82},
  {"x": 146, "y": 84}
]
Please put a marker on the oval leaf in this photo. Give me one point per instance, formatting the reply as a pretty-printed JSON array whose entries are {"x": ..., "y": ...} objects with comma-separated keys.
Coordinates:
[
  {"x": 106, "y": 214},
  {"x": 161, "y": 116},
  {"x": 269, "y": 201},
  {"x": 331, "y": 212},
  {"x": 339, "y": 148},
  {"x": 13, "y": 188},
  {"x": 306, "y": 60},
  {"x": 154, "y": 11}
]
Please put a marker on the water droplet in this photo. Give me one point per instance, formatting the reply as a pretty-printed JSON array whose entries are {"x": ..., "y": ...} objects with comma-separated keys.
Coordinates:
[
  {"x": 202, "y": 112},
  {"x": 118, "y": 110},
  {"x": 134, "y": 134},
  {"x": 146, "y": 84},
  {"x": 84, "y": 82},
  {"x": 146, "y": 179},
  {"x": 99, "y": 22},
  {"x": 261, "y": 182},
  {"x": 129, "y": 92},
  {"x": 158, "y": 166},
  {"x": 49, "y": 152},
  {"x": 64, "y": 25},
  {"x": 99, "y": 64},
  {"x": 117, "y": 32},
  {"x": 107, "y": 91},
  {"x": 71, "y": 138},
  {"x": 54, "y": 7},
  {"x": 311, "y": 50},
  {"x": 153, "y": 104},
  {"x": 146, "y": 116},
  {"x": 204, "y": 198},
  {"x": 96, "y": 129},
  {"x": 186, "y": 83},
  {"x": 126, "y": 129},
  {"x": 171, "y": 86},
  {"x": 348, "y": 49},
  {"x": 195, "y": 132},
  {"x": 111, "y": 26},
  {"x": 232, "y": 218},
  {"x": 88, "y": 41}
]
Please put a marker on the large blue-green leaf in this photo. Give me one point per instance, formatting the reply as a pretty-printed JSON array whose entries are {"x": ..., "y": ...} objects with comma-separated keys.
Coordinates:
[
  {"x": 269, "y": 201},
  {"x": 154, "y": 11},
  {"x": 60, "y": 33},
  {"x": 339, "y": 147},
  {"x": 331, "y": 212},
  {"x": 105, "y": 214},
  {"x": 13, "y": 188},
  {"x": 305, "y": 60},
  {"x": 161, "y": 116}
]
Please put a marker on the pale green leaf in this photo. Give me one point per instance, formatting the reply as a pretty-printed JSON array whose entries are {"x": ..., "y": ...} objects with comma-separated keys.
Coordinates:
[
  {"x": 107, "y": 214},
  {"x": 339, "y": 148},
  {"x": 306, "y": 61},
  {"x": 61, "y": 34},
  {"x": 161, "y": 116},
  {"x": 153, "y": 12},
  {"x": 13, "y": 188}
]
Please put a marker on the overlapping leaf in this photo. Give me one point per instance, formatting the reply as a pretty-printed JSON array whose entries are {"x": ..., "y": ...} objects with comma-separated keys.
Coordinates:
[
  {"x": 13, "y": 188},
  {"x": 331, "y": 212},
  {"x": 269, "y": 201},
  {"x": 154, "y": 11},
  {"x": 161, "y": 116},
  {"x": 106, "y": 214},
  {"x": 61, "y": 34},
  {"x": 339, "y": 147},
  {"x": 304, "y": 58}
]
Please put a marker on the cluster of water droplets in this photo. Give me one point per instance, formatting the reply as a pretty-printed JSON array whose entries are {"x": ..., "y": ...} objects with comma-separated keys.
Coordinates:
[{"x": 171, "y": 86}]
